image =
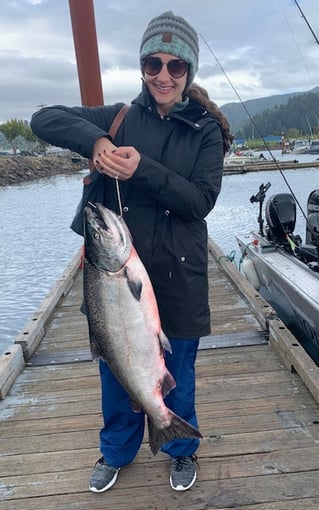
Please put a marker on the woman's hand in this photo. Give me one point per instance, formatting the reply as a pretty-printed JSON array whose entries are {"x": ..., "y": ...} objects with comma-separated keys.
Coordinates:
[{"x": 116, "y": 162}]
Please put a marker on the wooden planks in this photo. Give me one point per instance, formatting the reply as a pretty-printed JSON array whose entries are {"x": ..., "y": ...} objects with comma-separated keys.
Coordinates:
[
  {"x": 260, "y": 423},
  {"x": 294, "y": 356},
  {"x": 11, "y": 364},
  {"x": 34, "y": 331},
  {"x": 262, "y": 166},
  {"x": 260, "y": 446}
]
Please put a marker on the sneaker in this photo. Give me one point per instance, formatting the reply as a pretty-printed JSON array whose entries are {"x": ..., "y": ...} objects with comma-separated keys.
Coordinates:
[
  {"x": 183, "y": 473},
  {"x": 103, "y": 476}
]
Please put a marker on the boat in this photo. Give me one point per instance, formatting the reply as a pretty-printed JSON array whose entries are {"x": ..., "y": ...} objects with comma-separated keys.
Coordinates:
[
  {"x": 300, "y": 147},
  {"x": 241, "y": 158},
  {"x": 76, "y": 158},
  {"x": 283, "y": 269},
  {"x": 314, "y": 147}
]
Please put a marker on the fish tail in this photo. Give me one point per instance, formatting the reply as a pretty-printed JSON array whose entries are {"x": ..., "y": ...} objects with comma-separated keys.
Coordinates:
[{"x": 177, "y": 429}]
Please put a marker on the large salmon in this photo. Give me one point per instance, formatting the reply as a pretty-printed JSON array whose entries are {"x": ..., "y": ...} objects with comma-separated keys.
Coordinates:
[{"x": 124, "y": 323}]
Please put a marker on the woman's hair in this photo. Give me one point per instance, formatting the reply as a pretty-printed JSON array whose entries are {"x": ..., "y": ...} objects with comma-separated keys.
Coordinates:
[{"x": 200, "y": 95}]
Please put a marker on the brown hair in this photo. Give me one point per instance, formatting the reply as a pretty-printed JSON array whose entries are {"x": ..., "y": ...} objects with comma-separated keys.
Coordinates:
[{"x": 200, "y": 95}]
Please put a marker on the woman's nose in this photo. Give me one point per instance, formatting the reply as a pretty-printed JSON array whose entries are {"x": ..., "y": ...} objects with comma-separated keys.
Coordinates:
[{"x": 164, "y": 74}]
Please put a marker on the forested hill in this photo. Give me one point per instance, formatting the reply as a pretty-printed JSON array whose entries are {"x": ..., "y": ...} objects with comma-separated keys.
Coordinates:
[{"x": 282, "y": 107}]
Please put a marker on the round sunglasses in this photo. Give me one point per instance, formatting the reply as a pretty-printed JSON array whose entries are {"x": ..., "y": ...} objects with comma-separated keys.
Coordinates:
[{"x": 176, "y": 68}]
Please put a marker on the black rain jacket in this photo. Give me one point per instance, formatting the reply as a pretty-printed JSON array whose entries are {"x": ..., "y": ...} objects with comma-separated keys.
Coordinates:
[{"x": 165, "y": 202}]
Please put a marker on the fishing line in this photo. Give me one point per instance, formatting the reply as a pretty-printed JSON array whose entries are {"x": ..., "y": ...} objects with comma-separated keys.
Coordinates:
[
  {"x": 254, "y": 124},
  {"x": 118, "y": 194},
  {"x": 307, "y": 22},
  {"x": 295, "y": 41}
]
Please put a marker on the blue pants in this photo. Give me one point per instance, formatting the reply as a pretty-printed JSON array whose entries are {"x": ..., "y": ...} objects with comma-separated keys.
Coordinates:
[{"x": 123, "y": 431}]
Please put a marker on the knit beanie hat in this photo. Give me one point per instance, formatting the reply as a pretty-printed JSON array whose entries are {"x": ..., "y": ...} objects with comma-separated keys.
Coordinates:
[{"x": 171, "y": 34}]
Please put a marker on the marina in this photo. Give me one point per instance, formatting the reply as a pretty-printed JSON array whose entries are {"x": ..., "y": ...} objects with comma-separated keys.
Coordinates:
[
  {"x": 257, "y": 401},
  {"x": 257, "y": 388},
  {"x": 30, "y": 273}
]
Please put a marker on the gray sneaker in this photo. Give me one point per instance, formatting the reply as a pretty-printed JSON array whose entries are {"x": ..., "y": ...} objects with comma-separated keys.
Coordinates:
[
  {"x": 103, "y": 476},
  {"x": 183, "y": 473}
]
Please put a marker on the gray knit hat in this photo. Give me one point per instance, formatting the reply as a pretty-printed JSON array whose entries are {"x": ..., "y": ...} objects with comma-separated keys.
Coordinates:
[{"x": 171, "y": 34}]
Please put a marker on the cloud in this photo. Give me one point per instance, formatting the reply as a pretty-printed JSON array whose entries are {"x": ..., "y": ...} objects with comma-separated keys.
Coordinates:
[{"x": 262, "y": 48}]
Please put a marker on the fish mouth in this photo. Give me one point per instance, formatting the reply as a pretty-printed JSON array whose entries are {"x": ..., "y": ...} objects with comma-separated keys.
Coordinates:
[
  {"x": 94, "y": 212},
  {"x": 107, "y": 238}
]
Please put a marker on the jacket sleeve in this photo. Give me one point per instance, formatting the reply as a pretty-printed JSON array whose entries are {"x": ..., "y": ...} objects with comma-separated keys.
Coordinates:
[
  {"x": 190, "y": 198},
  {"x": 75, "y": 128}
]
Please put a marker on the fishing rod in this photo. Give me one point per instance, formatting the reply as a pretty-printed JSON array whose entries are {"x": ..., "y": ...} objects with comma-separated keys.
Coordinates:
[
  {"x": 307, "y": 22},
  {"x": 277, "y": 165},
  {"x": 311, "y": 228}
]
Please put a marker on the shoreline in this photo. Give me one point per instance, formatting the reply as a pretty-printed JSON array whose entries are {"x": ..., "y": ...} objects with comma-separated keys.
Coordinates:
[{"x": 18, "y": 169}]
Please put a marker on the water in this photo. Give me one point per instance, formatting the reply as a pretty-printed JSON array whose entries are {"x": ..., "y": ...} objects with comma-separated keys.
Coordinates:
[
  {"x": 234, "y": 213},
  {"x": 36, "y": 242}
]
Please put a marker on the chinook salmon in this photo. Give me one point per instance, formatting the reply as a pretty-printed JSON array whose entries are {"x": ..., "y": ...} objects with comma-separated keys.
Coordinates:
[{"x": 124, "y": 323}]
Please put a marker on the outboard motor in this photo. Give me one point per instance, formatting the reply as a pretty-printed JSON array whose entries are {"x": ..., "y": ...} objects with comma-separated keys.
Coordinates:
[
  {"x": 312, "y": 217},
  {"x": 280, "y": 212},
  {"x": 309, "y": 252}
]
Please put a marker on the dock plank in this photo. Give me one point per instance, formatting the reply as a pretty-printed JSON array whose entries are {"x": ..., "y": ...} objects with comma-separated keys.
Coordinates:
[{"x": 260, "y": 423}]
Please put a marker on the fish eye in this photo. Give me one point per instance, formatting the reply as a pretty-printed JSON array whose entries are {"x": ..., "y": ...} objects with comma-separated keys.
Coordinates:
[{"x": 96, "y": 235}]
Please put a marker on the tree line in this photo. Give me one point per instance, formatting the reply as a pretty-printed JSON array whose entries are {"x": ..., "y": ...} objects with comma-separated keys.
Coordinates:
[
  {"x": 298, "y": 118},
  {"x": 15, "y": 129}
]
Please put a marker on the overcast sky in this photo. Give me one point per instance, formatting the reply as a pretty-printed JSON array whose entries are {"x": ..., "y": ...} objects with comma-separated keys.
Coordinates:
[{"x": 264, "y": 48}]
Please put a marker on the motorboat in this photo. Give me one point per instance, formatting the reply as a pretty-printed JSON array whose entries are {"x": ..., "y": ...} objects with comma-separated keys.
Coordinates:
[
  {"x": 283, "y": 269},
  {"x": 314, "y": 147},
  {"x": 300, "y": 147},
  {"x": 241, "y": 158}
]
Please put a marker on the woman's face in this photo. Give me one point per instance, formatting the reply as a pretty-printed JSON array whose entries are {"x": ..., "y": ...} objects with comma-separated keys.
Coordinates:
[{"x": 165, "y": 89}]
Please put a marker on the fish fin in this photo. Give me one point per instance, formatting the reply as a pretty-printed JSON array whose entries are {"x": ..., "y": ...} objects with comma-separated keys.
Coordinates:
[
  {"x": 135, "y": 284},
  {"x": 95, "y": 348},
  {"x": 178, "y": 428},
  {"x": 168, "y": 384},
  {"x": 165, "y": 341}
]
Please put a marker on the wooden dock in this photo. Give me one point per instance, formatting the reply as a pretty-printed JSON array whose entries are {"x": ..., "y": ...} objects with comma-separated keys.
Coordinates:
[
  {"x": 257, "y": 401},
  {"x": 262, "y": 166}
]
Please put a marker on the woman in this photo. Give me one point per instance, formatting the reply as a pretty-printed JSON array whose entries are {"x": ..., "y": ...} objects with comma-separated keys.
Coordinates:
[{"x": 168, "y": 159}]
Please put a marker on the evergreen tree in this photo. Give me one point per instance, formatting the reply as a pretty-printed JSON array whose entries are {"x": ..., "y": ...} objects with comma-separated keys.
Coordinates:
[{"x": 300, "y": 114}]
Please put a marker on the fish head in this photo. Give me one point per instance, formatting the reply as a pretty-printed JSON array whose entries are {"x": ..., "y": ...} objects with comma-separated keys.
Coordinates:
[{"x": 107, "y": 239}]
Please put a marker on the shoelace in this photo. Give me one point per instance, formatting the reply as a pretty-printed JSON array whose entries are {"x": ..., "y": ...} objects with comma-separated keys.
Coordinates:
[{"x": 180, "y": 462}]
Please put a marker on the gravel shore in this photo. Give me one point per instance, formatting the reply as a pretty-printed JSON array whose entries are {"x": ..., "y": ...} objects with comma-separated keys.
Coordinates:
[{"x": 18, "y": 169}]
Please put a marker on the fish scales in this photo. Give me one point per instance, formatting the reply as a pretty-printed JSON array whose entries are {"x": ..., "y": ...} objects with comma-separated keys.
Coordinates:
[{"x": 124, "y": 323}]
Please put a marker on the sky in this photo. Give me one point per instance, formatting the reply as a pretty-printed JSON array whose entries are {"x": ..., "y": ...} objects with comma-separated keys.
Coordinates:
[{"x": 248, "y": 49}]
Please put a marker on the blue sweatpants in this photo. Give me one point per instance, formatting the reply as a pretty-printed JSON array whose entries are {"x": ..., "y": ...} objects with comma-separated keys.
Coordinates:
[{"x": 123, "y": 431}]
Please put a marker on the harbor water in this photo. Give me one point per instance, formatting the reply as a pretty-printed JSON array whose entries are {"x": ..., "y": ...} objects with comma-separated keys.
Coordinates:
[{"x": 36, "y": 241}]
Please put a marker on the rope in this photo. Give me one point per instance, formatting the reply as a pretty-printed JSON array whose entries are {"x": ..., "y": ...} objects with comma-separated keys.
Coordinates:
[{"x": 230, "y": 257}]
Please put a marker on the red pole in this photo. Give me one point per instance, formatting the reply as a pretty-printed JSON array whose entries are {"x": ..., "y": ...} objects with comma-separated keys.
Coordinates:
[{"x": 86, "y": 52}]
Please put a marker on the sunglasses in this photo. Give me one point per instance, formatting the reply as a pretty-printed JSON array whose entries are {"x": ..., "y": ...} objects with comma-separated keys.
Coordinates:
[{"x": 176, "y": 68}]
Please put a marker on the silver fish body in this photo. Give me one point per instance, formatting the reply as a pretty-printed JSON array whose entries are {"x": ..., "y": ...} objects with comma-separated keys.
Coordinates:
[{"x": 124, "y": 323}]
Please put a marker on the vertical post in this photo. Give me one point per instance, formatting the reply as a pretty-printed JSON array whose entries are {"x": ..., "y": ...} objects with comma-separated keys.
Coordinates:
[{"x": 86, "y": 52}]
